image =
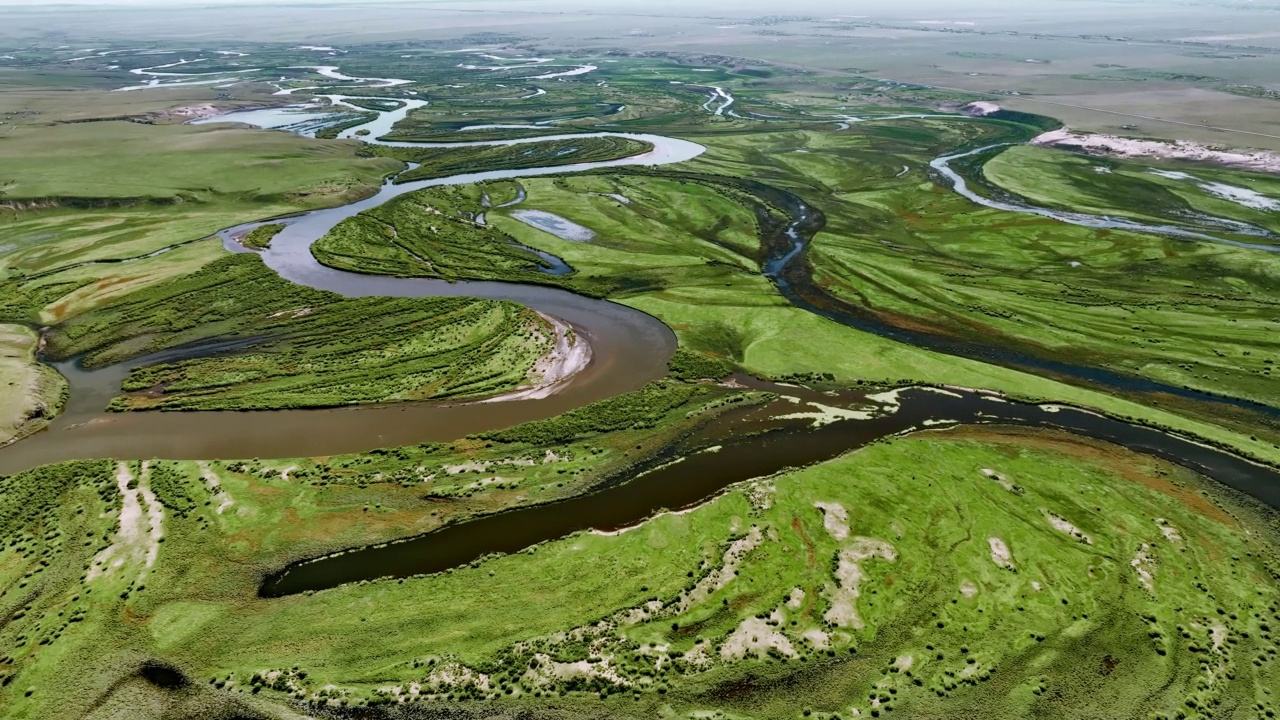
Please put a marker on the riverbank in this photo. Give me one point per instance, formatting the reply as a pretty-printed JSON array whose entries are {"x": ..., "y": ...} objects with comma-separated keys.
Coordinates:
[
  {"x": 33, "y": 392},
  {"x": 569, "y": 355}
]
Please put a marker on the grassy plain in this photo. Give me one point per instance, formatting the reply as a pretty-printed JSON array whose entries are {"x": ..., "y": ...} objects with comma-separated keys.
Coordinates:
[
  {"x": 709, "y": 290},
  {"x": 1055, "y": 178},
  {"x": 33, "y": 392},
  {"x": 302, "y": 347},
  {"x": 1092, "y": 576}
]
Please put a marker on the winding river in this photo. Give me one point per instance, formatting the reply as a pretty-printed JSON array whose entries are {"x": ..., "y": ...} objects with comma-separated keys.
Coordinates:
[{"x": 630, "y": 349}]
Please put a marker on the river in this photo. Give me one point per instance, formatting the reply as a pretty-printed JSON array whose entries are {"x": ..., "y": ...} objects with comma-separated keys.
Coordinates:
[{"x": 630, "y": 349}]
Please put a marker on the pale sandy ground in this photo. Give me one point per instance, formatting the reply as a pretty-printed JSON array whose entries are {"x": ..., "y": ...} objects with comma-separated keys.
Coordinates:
[
  {"x": 1061, "y": 524},
  {"x": 849, "y": 575},
  {"x": 569, "y": 355},
  {"x": 835, "y": 519},
  {"x": 1000, "y": 553},
  {"x": 139, "y": 528},
  {"x": 1144, "y": 565},
  {"x": 1121, "y": 147},
  {"x": 214, "y": 485},
  {"x": 28, "y": 389}
]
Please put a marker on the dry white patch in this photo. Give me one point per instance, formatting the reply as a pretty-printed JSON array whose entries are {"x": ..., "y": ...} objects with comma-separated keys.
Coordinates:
[
  {"x": 1061, "y": 524},
  {"x": 818, "y": 639},
  {"x": 720, "y": 577},
  {"x": 844, "y": 600},
  {"x": 549, "y": 671},
  {"x": 760, "y": 495},
  {"x": 968, "y": 589},
  {"x": 478, "y": 466},
  {"x": 139, "y": 529},
  {"x": 569, "y": 355},
  {"x": 826, "y": 415},
  {"x": 455, "y": 675},
  {"x": 292, "y": 314},
  {"x": 796, "y": 600},
  {"x": 1219, "y": 634},
  {"x": 981, "y": 108},
  {"x": 1036, "y": 586},
  {"x": 904, "y": 662},
  {"x": 1114, "y": 146},
  {"x": 888, "y": 399},
  {"x": 757, "y": 637},
  {"x": 997, "y": 477},
  {"x": 284, "y": 473},
  {"x": 835, "y": 519},
  {"x": 1170, "y": 532},
  {"x": 1000, "y": 554},
  {"x": 1142, "y": 564},
  {"x": 214, "y": 485}
]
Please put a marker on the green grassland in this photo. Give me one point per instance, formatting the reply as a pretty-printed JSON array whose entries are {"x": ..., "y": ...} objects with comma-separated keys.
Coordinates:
[
  {"x": 695, "y": 264},
  {"x": 58, "y": 518},
  {"x": 1187, "y": 313},
  {"x": 193, "y": 163},
  {"x": 429, "y": 233},
  {"x": 308, "y": 348},
  {"x": 1094, "y": 582},
  {"x": 32, "y": 392},
  {"x": 76, "y": 191},
  {"x": 1056, "y": 178}
]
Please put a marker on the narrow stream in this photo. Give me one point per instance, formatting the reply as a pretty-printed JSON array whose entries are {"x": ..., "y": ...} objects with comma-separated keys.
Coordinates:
[{"x": 794, "y": 282}]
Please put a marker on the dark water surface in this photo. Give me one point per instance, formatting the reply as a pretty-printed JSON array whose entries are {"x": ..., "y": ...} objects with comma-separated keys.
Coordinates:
[{"x": 686, "y": 477}]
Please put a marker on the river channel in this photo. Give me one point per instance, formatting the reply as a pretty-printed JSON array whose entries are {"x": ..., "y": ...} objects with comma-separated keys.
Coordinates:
[{"x": 630, "y": 349}]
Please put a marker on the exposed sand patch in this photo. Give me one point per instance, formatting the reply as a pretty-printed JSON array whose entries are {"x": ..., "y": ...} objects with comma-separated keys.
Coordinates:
[
  {"x": 570, "y": 354},
  {"x": 818, "y": 639},
  {"x": 139, "y": 529},
  {"x": 1004, "y": 483},
  {"x": 549, "y": 671},
  {"x": 1061, "y": 524},
  {"x": 1219, "y": 635},
  {"x": 755, "y": 636},
  {"x": 835, "y": 519},
  {"x": 1170, "y": 532},
  {"x": 844, "y": 599},
  {"x": 796, "y": 600},
  {"x": 888, "y": 399},
  {"x": 825, "y": 415},
  {"x": 760, "y": 495},
  {"x": 981, "y": 108},
  {"x": 720, "y": 577},
  {"x": 214, "y": 485},
  {"x": 454, "y": 675},
  {"x": 1114, "y": 146},
  {"x": 1143, "y": 564},
  {"x": 1000, "y": 554},
  {"x": 968, "y": 589},
  {"x": 904, "y": 662}
]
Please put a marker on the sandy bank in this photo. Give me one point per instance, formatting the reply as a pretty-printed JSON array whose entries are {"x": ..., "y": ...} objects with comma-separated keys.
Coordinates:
[
  {"x": 1121, "y": 147},
  {"x": 569, "y": 355}
]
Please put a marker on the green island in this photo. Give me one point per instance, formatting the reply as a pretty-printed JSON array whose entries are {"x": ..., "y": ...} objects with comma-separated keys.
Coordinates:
[
  {"x": 739, "y": 371},
  {"x": 260, "y": 237}
]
